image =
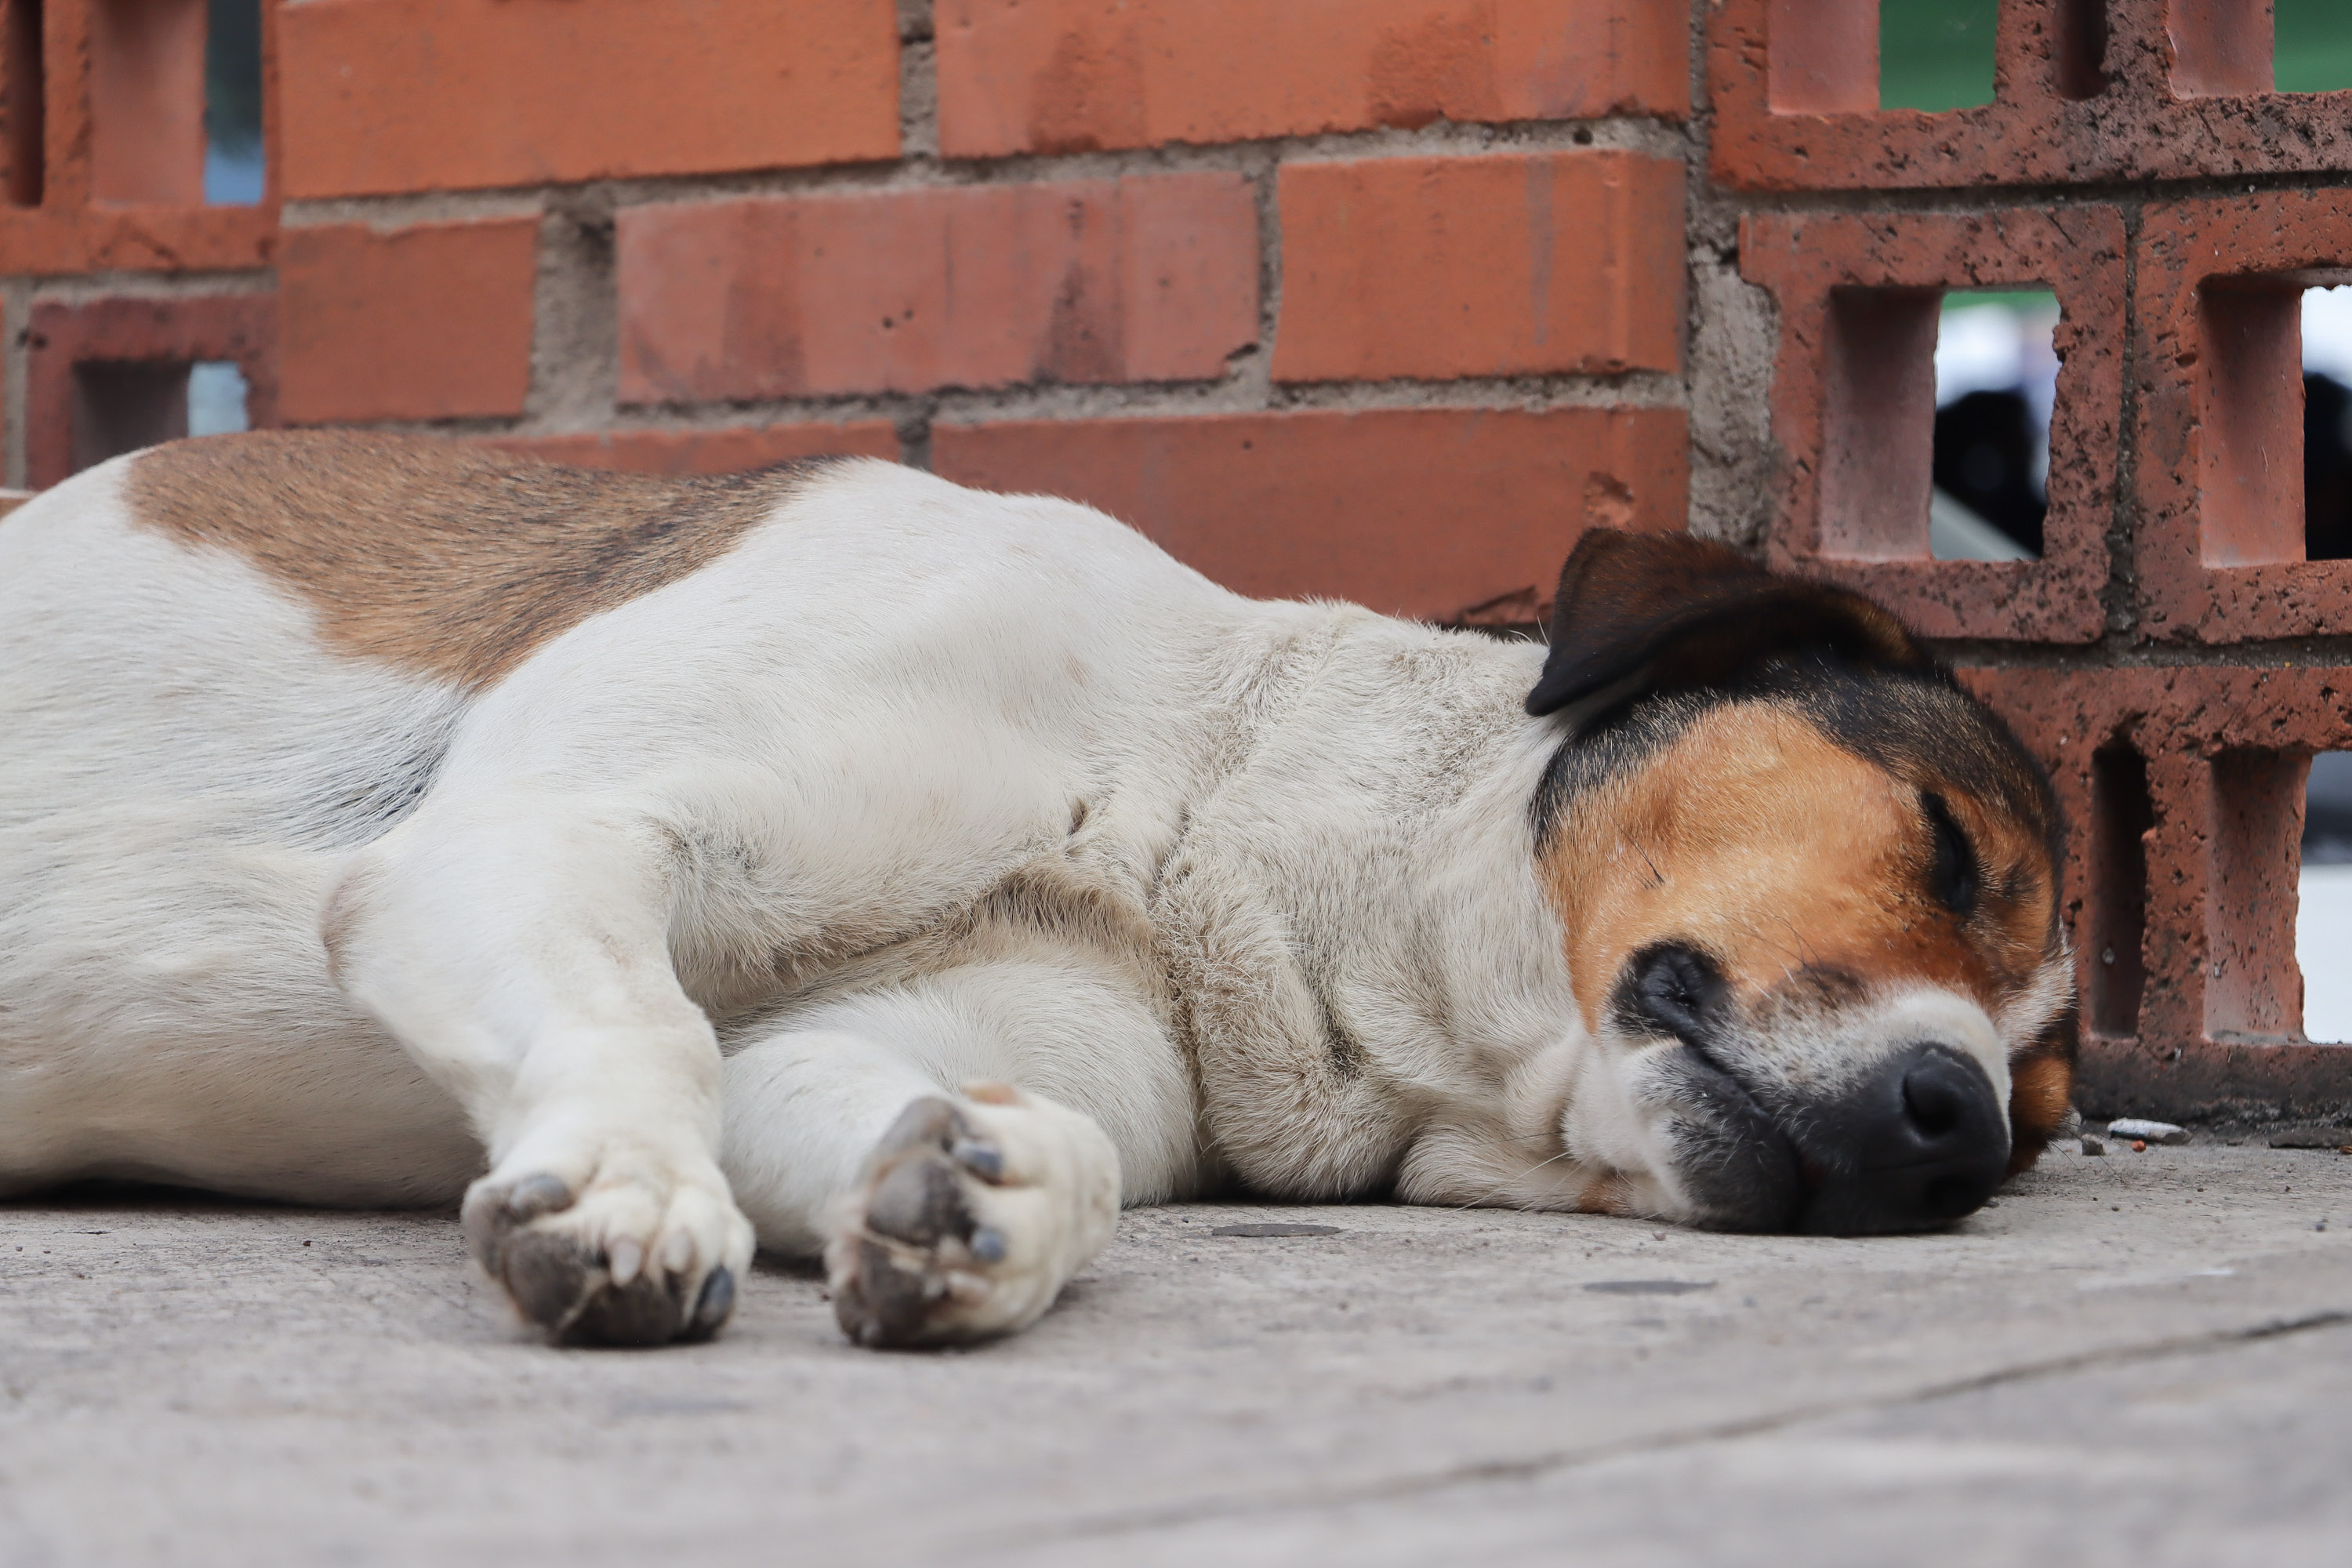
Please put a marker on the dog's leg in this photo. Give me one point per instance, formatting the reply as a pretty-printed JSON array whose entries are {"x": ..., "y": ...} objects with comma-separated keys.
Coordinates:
[
  {"x": 520, "y": 949},
  {"x": 950, "y": 1206}
]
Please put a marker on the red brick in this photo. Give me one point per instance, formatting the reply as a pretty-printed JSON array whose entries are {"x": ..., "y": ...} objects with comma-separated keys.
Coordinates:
[
  {"x": 1480, "y": 266},
  {"x": 1438, "y": 513},
  {"x": 181, "y": 330},
  {"x": 101, "y": 176},
  {"x": 1855, "y": 509},
  {"x": 1153, "y": 277},
  {"x": 2143, "y": 110},
  {"x": 2218, "y": 1028},
  {"x": 2218, "y": 545},
  {"x": 1056, "y": 75},
  {"x": 414, "y": 95},
  {"x": 147, "y": 101},
  {"x": 731, "y": 451},
  {"x": 50, "y": 242},
  {"x": 22, "y": 170},
  {"x": 428, "y": 322}
]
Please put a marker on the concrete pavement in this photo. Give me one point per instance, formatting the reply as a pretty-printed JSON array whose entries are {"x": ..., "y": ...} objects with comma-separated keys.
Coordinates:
[{"x": 2144, "y": 1358}]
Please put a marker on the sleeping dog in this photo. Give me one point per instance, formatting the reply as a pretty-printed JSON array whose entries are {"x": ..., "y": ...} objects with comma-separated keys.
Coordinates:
[{"x": 837, "y": 860}]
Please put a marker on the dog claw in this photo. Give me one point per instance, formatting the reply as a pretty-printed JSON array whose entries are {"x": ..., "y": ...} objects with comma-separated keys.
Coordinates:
[
  {"x": 677, "y": 1253},
  {"x": 714, "y": 1306},
  {"x": 982, "y": 1160},
  {"x": 988, "y": 1244},
  {"x": 581, "y": 1293}
]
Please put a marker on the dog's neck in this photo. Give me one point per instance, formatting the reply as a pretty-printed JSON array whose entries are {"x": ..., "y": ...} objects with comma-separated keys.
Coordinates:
[{"x": 1361, "y": 955}]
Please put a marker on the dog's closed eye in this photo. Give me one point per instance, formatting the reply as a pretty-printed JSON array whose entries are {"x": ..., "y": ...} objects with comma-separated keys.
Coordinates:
[{"x": 1952, "y": 873}]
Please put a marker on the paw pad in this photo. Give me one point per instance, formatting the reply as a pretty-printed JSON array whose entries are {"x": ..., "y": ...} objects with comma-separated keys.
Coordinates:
[
  {"x": 918, "y": 1235},
  {"x": 580, "y": 1295}
]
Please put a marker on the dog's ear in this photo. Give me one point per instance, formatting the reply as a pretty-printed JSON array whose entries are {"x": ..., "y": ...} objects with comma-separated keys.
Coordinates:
[{"x": 1668, "y": 611}]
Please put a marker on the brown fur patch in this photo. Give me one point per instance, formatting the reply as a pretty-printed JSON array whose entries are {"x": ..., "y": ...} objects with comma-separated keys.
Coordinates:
[
  {"x": 442, "y": 558},
  {"x": 1799, "y": 865}
]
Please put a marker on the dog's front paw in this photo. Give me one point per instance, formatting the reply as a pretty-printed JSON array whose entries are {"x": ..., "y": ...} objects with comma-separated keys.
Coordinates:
[
  {"x": 969, "y": 1218},
  {"x": 625, "y": 1247}
]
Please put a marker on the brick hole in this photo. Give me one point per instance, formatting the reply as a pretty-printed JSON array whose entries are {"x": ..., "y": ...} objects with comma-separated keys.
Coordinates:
[
  {"x": 2250, "y": 421},
  {"x": 2123, "y": 813},
  {"x": 2079, "y": 47},
  {"x": 22, "y": 140},
  {"x": 2218, "y": 47},
  {"x": 233, "y": 145},
  {"x": 2311, "y": 51},
  {"x": 2322, "y": 923},
  {"x": 2327, "y": 320},
  {"x": 121, "y": 405},
  {"x": 147, "y": 101},
  {"x": 216, "y": 398},
  {"x": 2255, "y": 831},
  {"x": 1996, "y": 382},
  {"x": 1878, "y": 417},
  {"x": 1935, "y": 54}
]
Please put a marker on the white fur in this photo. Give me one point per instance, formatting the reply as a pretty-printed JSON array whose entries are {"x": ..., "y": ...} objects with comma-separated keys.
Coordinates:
[{"x": 915, "y": 786}]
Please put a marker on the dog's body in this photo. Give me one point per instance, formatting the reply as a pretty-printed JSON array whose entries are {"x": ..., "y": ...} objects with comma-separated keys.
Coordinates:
[{"x": 368, "y": 804}]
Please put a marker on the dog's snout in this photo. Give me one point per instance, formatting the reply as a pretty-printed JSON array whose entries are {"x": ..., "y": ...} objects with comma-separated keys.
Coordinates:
[
  {"x": 1673, "y": 989},
  {"x": 1921, "y": 1143}
]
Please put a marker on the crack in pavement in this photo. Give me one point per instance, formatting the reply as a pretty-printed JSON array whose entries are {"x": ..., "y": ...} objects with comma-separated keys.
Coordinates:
[{"x": 1564, "y": 1459}]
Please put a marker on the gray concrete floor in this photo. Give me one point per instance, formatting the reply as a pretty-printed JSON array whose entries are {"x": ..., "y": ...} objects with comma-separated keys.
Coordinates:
[{"x": 2145, "y": 1358}]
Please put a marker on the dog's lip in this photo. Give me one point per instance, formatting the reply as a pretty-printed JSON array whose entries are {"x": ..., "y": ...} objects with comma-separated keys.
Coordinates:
[{"x": 1747, "y": 1117}]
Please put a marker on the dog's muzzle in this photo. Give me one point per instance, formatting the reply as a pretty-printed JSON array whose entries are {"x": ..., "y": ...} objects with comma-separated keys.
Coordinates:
[{"x": 1919, "y": 1141}]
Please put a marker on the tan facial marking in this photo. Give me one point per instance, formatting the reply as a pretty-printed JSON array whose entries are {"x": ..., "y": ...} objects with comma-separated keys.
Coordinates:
[
  {"x": 435, "y": 556},
  {"x": 1791, "y": 860},
  {"x": 2040, "y": 1088}
]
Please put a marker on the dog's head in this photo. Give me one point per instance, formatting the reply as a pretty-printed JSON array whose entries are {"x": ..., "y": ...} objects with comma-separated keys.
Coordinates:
[{"x": 1808, "y": 893}]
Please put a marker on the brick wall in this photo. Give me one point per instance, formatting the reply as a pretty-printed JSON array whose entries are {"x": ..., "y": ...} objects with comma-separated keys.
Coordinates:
[{"x": 1384, "y": 299}]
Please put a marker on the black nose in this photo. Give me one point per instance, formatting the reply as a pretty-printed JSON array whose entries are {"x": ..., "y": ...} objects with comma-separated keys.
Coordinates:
[{"x": 1919, "y": 1144}]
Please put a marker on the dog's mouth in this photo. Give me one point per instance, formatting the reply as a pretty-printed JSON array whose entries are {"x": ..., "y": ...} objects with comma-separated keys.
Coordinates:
[{"x": 1917, "y": 1143}]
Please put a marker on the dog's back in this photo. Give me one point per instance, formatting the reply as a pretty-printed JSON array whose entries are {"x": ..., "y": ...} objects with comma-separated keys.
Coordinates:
[{"x": 226, "y": 665}]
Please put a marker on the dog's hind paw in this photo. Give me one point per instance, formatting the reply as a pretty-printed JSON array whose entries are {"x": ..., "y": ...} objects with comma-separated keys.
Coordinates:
[
  {"x": 614, "y": 1260},
  {"x": 969, "y": 1218}
]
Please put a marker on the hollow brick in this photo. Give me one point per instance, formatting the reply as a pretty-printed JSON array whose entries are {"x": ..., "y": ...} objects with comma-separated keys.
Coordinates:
[
  {"x": 729, "y": 451},
  {"x": 428, "y": 322},
  {"x": 1058, "y": 76},
  {"x": 2218, "y": 1023},
  {"x": 1851, "y": 403},
  {"x": 175, "y": 331},
  {"x": 1151, "y": 278},
  {"x": 1443, "y": 514},
  {"x": 2084, "y": 90},
  {"x": 1494, "y": 265},
  {"x": 2218, "y": 541},
  {"x": 414, "y": 95}
]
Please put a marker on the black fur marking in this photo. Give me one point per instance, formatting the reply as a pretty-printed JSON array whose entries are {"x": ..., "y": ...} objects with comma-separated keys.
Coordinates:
[{"x": 1668, "y": 989}]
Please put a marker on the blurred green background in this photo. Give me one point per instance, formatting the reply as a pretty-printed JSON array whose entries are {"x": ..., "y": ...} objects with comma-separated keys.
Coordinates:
[{"x": 1938, "y": 54}]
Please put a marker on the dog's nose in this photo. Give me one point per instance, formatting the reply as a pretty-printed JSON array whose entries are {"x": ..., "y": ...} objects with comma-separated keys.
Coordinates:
[{"x": 1923, "y": 1141}]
